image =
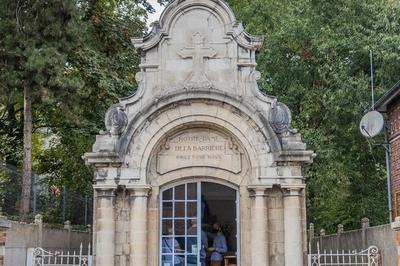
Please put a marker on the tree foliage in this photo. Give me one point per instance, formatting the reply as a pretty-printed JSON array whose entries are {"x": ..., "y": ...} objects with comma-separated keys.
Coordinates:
[
  {"x": 77, "y": 58},
  {"x": 316, "y": 60}
]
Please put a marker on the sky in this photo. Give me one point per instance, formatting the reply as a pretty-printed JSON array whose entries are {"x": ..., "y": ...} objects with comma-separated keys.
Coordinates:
[{"x": 155, "y": 16}]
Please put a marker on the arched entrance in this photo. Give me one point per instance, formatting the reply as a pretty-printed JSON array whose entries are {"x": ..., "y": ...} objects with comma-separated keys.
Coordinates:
[{"x": 188, "y": 211}]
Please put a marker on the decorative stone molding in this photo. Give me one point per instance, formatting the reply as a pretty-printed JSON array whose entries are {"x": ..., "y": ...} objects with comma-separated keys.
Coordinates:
[
  {"x": 300, "y": 157},
  {"x": 311, "y": 232},
  {"x": 293, "y": 191},
  {"x": 198, "y": 51},
  {"x": 139, "y": 191},
  {"x": 199, "y": 147},
  {"x": 234, "y": 29},
  {"x": 364, "y": 223},
  {"x": 340, "y": 229},
  {"x": 258, "y": 191},
  {"x": 105, "y": 191},
  {"x": 102, "y": 159},
  {"x": 280, "y": 118},
  {"x": 38, "y": 219},
  {"x": 116, "y": 119}
]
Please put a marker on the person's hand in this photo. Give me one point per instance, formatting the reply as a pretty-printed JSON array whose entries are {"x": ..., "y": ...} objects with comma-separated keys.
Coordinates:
[{"x": 211, "y": 249}]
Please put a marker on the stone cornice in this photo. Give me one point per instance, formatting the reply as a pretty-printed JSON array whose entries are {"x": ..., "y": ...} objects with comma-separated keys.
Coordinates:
[
  {"x": 102, "y": 159},
  {"x": 105, "y": 191},
  {"x": 295, "y": 156},
  {"x": 100, "y": 187}
]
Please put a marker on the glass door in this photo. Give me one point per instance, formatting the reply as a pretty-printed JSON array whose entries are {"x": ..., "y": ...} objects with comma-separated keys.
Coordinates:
[{"x": 180, "y": 225}]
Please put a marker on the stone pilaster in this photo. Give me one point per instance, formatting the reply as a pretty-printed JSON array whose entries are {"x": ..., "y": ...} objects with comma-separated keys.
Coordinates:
[
  {"x": 105, "y": 227},
  {"x": 259, "y": 227},
  {"x": 293, "y": 227},
  {"x": 138, "y": 225}
]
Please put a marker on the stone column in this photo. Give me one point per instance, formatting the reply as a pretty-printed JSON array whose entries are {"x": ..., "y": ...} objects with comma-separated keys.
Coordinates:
[
  {"x": 293, "y": 227},
  {"x": 105, "y": 227},
  {"x": 138, "y": 225},
  {"x": 39, "y": 223},
  {"x": 259, "y": 228},
  {"x": 364, "y": 227}
]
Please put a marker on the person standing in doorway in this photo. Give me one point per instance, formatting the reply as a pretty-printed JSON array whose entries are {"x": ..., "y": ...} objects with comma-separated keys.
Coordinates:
[{"x": 219, "y": 246}]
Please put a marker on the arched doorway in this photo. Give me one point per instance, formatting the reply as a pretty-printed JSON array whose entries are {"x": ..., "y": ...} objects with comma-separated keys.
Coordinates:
[{"x": 185, "y": 206}]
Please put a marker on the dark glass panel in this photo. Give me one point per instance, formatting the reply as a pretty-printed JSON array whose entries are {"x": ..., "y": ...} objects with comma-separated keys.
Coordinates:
[
  {"x": 180, "y": 227},
  {"x": 167, "y": 195},
  {"x": 179, "y": 209},
  {"x": 166, "y": 260},
  {"x": 182, "y": 244},
  {"x": 192, "y": 191},
  {"x": 192, "y": 209},
  {"x": 191, "y": 225},
  {"x": 166, "y": 227},
  {"x": 167, "y": 209},
  {"x": 180, "y": 192}
]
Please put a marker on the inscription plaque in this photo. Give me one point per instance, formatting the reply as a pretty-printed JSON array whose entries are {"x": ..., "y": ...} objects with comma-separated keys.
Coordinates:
[{"x": 199, "y": 148}]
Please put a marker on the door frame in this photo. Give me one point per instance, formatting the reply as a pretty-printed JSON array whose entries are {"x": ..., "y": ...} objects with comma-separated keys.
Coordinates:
[{"x": 199, "y": 183}]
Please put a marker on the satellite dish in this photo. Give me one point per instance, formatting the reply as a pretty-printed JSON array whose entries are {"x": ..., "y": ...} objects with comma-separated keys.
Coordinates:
[{"x": 371, "y": 124}]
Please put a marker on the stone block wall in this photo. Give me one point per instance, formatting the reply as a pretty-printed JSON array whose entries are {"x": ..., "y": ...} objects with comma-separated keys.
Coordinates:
[
  {"x": 382, "y": 236},
  {"x": 394, "y": 140},
  {"x": 20, "y": 237}
]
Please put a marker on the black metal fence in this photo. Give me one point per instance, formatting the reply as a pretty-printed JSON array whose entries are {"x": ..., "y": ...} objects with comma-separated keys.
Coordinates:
[{"x": 56, "y": 204}]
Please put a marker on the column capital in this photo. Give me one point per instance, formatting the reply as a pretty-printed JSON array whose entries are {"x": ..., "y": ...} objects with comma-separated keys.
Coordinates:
[
  {"x": 139, "y": 191},
  {"x": 258, "y": 191},
  {"x": 105, "y": 192},
  {"x": 292, "y": 190}
]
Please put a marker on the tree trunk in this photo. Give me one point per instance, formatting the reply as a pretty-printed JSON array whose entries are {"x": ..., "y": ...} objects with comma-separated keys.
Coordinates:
[{"x": 27, "y": 160}]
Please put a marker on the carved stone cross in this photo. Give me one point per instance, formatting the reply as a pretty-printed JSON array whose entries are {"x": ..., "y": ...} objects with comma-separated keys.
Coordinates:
[{"x": 197, "y": 78}]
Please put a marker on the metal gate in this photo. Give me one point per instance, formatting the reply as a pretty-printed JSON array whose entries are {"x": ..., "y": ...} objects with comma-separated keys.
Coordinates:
[
  {"x": 42, "y": 257},
  {"x": 367, "y": 257}
]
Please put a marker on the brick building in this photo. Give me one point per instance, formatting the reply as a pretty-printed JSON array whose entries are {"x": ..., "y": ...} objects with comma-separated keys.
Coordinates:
[{"x": 389, "y": 104}]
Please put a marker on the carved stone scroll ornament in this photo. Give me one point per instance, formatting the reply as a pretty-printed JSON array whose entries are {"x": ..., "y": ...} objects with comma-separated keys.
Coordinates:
[
  {"x": 116, "y": 120},
  {"x": 198, "y": 51},
  {"x": 280, "y": 118}
]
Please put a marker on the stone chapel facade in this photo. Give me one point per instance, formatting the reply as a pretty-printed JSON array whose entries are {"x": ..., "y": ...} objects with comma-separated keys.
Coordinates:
[{"x": 198, "y": 116}]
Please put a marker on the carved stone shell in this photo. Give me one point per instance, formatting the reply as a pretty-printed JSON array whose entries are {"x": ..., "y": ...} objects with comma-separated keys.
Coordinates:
[
  {"x": 280, "y": 118},
  {"x": 116, "y": 120}
]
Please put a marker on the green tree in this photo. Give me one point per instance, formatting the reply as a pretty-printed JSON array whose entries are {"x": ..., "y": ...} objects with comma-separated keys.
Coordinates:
[
  {"x": 66, "y": 59},
  {"x": 316, "y": 60},
  {"x": 37, "y": 35}
]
